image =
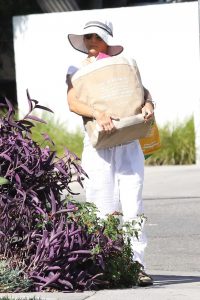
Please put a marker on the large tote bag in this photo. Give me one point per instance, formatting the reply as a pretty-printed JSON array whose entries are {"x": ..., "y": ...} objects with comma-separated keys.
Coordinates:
[{"x": 113, "y": 84}]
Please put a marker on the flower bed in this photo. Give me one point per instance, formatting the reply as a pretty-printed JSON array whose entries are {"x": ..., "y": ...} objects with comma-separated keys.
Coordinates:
[{"x": 50, "y": 242}]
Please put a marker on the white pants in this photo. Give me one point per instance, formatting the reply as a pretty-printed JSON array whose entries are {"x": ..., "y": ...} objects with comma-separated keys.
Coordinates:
[{"x": 115, "y": 184}]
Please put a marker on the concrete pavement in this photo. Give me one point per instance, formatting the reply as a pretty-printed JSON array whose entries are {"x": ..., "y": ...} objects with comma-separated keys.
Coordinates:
[
  {"x": 172, "y": 201},
  {"x": 172, "y": 206},
  {"x": 167, "y": 286},
  {"x": 167, "y": 182}
]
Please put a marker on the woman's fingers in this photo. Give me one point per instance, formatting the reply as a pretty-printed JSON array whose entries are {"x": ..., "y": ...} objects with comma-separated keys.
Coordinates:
[
  {"x": 147, "y": 113},
  {"x": 109, "y": 128},
  {"x": 105, "y": 121}
]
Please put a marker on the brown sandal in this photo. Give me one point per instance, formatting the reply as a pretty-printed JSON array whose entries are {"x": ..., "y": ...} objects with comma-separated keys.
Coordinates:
[{"x": 144, "y": 279}]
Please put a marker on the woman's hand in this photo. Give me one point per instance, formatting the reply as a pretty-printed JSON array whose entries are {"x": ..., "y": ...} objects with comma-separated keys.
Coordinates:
[
  {"x": 104, "y": 121},
  {"x": 148, "y": 111}
]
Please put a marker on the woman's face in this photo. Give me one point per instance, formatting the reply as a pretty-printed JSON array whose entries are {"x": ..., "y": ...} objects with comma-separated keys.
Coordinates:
[{"x": 94, "y": 44}]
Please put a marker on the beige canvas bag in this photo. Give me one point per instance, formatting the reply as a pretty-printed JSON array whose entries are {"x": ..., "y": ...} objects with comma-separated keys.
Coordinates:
[{"x": 112, "y": 84}]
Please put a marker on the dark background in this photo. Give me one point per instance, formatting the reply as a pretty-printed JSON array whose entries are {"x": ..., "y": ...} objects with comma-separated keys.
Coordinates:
[{"x": 10, "y": 8}]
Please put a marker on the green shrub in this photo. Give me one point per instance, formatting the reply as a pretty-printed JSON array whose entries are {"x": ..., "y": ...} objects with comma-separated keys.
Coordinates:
[
  {"x": 12, "y": 279},
  {"x": 121, "y": 271},
  {"x": 177, "y": 145}
]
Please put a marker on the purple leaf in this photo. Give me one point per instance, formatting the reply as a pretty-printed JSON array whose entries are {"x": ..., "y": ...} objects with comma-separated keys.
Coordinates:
[
  {"x": 51, "y": 253},
  {"x": 10, "y": 109},
  {"x": 47, "y": 138},
  {"x": 44, "y": 108},
  {"x": 61, "y": 169},
  {"x": 52, "y": 279},
  {"x": 53, "y": 202},
  {"x": 56, "y": 235},
  {"x": 26, "y": 169},
  {"x": 18, "y": 180},
  {"x": 35, "y": 118},
  {"x": 66, "y": 283},
  {"x": 40, "y": 278},
  {"x": 25, "y": 122},
  {"x": 75, "y": 232},
  {"x": 67, "y": 210},
  {"x": 54, "y": 268},
  {"x": 81, "y": 252},
  {"x": 7, "y": 157},
  {"x": 72, "y": 259}
]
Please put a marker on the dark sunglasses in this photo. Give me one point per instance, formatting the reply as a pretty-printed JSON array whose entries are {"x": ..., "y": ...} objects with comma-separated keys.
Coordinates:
[{"x": 90, "y": 35}]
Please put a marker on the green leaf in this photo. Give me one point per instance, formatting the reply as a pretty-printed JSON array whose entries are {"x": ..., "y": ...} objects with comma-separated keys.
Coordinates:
[{"x": 4, "y": 181}]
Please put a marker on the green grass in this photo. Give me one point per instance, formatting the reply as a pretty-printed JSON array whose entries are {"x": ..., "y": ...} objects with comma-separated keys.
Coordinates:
[
  {"x": 62, "y": 138},
  {"x": 177, "y": 145}
]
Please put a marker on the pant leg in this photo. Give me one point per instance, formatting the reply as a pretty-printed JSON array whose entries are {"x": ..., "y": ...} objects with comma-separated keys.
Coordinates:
[
  {"x": 130, "y": 172},
  {"x": 100, "y": 187}
]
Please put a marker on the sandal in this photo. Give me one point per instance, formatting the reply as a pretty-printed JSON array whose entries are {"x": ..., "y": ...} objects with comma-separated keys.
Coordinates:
[{"x": 144, "y": 279}]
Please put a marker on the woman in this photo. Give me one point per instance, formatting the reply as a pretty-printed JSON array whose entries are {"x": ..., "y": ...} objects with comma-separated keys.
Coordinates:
[{"x": 115, "y": 174}]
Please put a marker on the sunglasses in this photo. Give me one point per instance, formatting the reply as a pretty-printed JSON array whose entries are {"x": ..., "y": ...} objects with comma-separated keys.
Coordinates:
[{"x": 90, "y": 35}]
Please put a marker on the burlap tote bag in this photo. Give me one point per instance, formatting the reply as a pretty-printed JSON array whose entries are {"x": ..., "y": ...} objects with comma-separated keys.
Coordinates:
[{"x": 112, "y": 84}]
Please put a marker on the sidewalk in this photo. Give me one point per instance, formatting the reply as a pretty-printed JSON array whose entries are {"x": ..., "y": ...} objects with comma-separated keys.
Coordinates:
[
  {"x": 168, "y": 185},
  {"x": 167, "y": 286}
]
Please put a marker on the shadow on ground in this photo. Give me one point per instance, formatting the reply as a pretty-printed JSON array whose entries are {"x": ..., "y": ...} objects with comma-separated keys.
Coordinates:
[{"x": 161, "y": 280}]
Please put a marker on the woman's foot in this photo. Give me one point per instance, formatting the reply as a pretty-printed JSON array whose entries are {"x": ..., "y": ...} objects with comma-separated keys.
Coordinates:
[{"x": 144, "y": 279}]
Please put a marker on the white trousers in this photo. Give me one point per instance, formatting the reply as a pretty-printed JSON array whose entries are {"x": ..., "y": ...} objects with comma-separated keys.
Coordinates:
[{"x": 115, "y": 184}]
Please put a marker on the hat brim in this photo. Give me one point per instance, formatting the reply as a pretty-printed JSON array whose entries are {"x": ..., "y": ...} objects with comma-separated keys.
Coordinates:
[{"x": 77, "y": 41}]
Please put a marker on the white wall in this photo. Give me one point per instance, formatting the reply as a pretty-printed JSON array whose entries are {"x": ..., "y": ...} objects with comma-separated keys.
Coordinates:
[{"x": 163, "y": 39}]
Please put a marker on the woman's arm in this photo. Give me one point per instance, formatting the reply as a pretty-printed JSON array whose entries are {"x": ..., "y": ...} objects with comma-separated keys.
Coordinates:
[
  {"x": 83, "y": 109},
  {"x": 148, "y": 107}
]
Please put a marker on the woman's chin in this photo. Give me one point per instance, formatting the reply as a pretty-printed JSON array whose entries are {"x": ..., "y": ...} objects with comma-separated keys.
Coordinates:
[{"x": 93, "y": 52}]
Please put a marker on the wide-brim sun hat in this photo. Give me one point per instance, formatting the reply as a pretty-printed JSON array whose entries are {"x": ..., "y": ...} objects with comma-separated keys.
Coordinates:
[{"x": 103, "y": 29}]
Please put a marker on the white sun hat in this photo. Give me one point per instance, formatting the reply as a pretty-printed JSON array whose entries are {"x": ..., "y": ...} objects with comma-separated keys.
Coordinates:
[{"x": 103, "y": 29}]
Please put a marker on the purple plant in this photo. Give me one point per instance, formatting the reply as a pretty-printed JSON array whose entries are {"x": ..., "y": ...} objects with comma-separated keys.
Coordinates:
[{"x": 39, "y": 231}]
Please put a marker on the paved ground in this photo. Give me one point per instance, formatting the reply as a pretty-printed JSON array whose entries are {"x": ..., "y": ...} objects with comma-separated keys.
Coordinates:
[
  {"x": 168, "y": 286},
  {"x": 172, "y": 205}
]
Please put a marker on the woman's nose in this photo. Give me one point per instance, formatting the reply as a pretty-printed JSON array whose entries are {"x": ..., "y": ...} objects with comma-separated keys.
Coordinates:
[{"x": 94, "y": 38}]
